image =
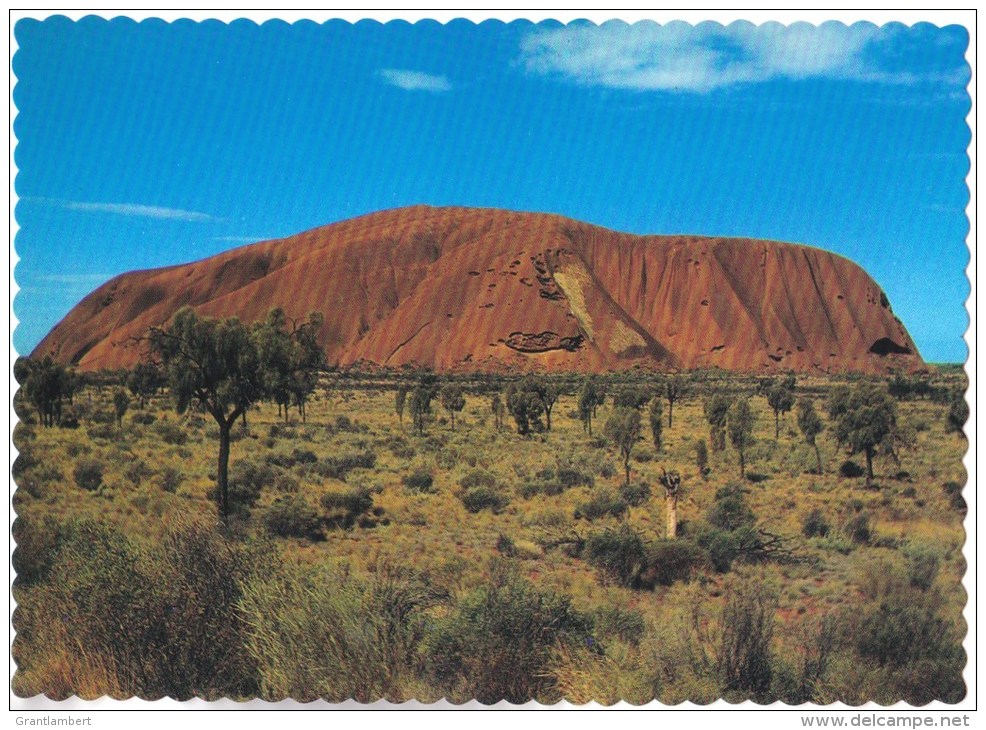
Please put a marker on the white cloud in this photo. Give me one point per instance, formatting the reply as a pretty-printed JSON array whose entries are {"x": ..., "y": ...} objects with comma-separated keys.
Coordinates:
[
  {"x": 678, "y": 56},
  {"x": 243, "y": 239},
  {"x": 415, "y": 80},
  {"x": 140, "y": 211},
  {"x": 80, "y": 279},
  {"x": 128, "y": 209}
]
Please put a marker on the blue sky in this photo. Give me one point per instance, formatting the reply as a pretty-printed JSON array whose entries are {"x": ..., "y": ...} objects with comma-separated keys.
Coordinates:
[{"x": 148, "y": 144}]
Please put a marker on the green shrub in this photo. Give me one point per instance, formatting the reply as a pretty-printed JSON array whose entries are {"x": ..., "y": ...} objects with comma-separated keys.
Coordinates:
[
  {"x": 730, "y": 510},
  {"x": 625, "y": 624},
  {"x": 354, "y": 502},
  {"x": 505, "y": 546},
  {"x": 500, "y": 640},
  {"x": 293, "y": 516},
  {"x": 286, "y": 483},
  {"x": 858, "y": 530},
  {"x": 743, "y": 655},
  {"x": 39, "y": 480},
  {"x": 618, "y": 554},
  {"x": 418, "y": 480},
  {"x": 171, "y": 432},
  {"x": 634, "y": 494},
  {"x": 338, "y": 467},
  {"x": 722, "y": 547},
  {"x": 88, "y": 474},
  {"x": 571, "y": 476},
  {"x": 815, "y": 524},
  {"x": 143, "y": 418},
  {"x": 603, "y": 504},
  {"x": 923, "y": 563},
  {"x": 137, "y": 471},
  {"x": 321, "y": 633},
  {"x": 480, "y": 498},
  {"x": 306, "y": 456},
  {"x": 477, "y": 478},
  {"x": 171, "y": 478},
  {"x": 159, "y": 621},
  {"x": 898, "y": 632},
  {"x": 38, "y": 542},
  {"x": 954, "y": 492},
  {"x": 669, "y": 561},
  {"x": 702, "y": 458},
  {"x": 849, "y": 469},
  {"x": 247, "y": 479}
]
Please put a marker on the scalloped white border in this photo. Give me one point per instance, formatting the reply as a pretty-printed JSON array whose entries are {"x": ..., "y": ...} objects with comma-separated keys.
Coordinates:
[{"x": 752, "y": 715}]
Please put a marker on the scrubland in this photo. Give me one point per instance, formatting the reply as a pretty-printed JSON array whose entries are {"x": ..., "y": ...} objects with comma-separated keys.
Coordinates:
[{"x": 366, "y": 559}]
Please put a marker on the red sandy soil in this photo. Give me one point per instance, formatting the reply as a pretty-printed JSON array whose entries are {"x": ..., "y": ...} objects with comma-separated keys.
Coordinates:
[{"x": 492, "y": 290}]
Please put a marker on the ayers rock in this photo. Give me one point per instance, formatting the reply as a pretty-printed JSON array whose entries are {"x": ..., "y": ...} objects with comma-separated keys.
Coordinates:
[{"x": 484, "y": 289}]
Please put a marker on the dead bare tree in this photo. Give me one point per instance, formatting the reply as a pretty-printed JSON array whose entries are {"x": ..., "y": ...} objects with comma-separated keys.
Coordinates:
[{"x": 672, "y": 483}]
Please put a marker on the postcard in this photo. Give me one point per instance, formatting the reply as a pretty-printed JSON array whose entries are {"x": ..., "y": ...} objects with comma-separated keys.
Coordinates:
[{"x": 568, "y": 361}]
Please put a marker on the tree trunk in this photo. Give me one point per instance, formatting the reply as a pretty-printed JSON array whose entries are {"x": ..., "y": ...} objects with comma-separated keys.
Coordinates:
[
  {"x": 742, "y": 464},
  {"x": 626, "y": 465},
  {"x": 246, "y": 428},
  {"x": 672, "y": 504},
  {"x": 670, "y": 411},
  {"x": 547, "y": 415},
  {"x": 869, "y": 468},
  {"x": 818, "y": 457},
  {"x": 222, "y": 472},
  {"x": 777, "y": 425}
]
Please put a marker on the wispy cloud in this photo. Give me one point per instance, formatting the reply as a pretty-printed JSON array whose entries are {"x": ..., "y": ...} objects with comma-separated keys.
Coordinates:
[
  {"x": 415, "y": 80},
  {"x": 678, "y": 56},
  {"x": 79, "y": 279},
  {"x": 133, "y": 210},
  {"x": 243, "y": 239}
]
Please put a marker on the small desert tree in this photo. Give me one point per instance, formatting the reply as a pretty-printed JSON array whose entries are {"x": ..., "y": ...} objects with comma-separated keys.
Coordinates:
[
  {"x": 675, "y": 388},
  {"x": 421, "y": 397},
  {"x": 865, "y": 419},
  {"x": 144, "y": 381},
  {"x": 121, "y": 402},
  {"x": 273, "y": 344},
  {"x": 630, "y": 396},
  {"x": 590, "y": 397},
  {"x": 958, "y": 412},
  {"x": 716, "y": 409},
  {"x": 46, "y": 385},
  {"x": 740, "y": 424},
  {"x": 525, "y": 406},
  {"x": 400, "y": 398},
  {"x": 546, "y": 393},
  {"x": 290, "y": 358},
  {"x": 452, "y": 400},
  {"x": 623, "y": 429},
  {"x": 499, "y": 411},
  {"x": 307, "y": 360},
  {"x": 656, "y": 421},
  {"x": 781, "y": 400},
  {"x": 213, "y": 363},
  {"x": 811, "y": 425}
]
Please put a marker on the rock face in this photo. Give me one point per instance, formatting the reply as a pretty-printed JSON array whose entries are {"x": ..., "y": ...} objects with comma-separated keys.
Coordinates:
[{"x": 483, "y": 289}]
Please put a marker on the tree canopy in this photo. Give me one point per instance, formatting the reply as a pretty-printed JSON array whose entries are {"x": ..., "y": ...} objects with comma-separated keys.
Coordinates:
[
  {"x": 224, "y": 367},
  {"x": 865, "y": 419},
  {"x": 623, "y": 429}
]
